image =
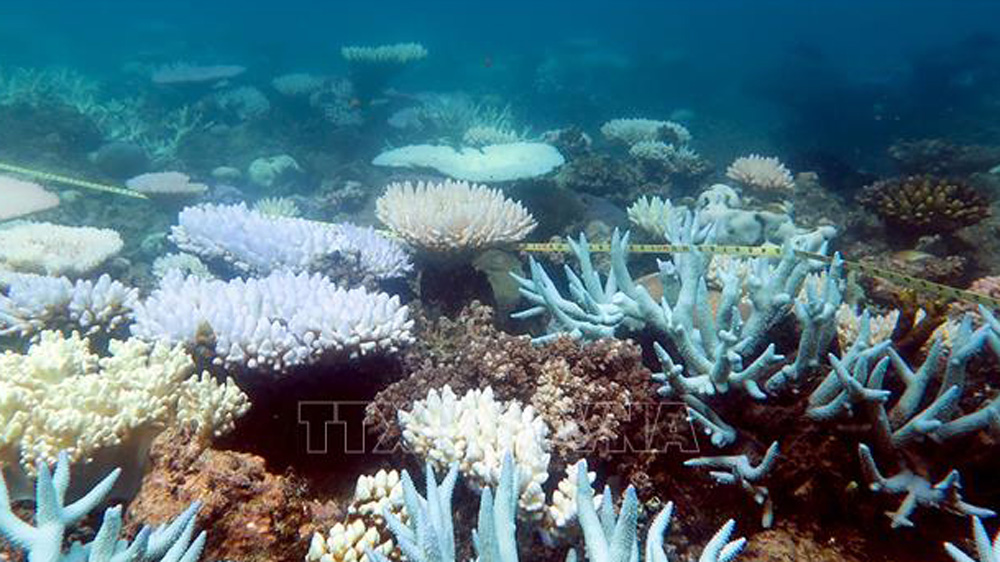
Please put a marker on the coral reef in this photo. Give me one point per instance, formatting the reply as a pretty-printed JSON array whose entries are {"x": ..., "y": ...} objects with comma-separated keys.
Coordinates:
[{"x": 925, "y": 204}]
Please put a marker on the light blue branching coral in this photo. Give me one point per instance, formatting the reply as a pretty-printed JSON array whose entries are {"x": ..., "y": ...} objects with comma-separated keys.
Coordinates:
[
  {"x": 428, "y": 535},
  {"x": 855, "y": 389},
  {"x": 919, "y": 491},
  {"x": 987, "y": 552},
  {"x": 614, "y": 539},
  {"x": 43, "y": 542},
  {"x": 719, "y": 351},
  {"x": 737, "y": 470}
]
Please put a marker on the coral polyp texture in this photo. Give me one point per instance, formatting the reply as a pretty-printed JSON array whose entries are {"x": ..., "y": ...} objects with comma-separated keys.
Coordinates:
[
  {"x": 52, "y": 249},
  {"x": 22, "y": 198},
  {"x": 61, "y": 396},
  {"x": 275, "y": 323},
  {"x": 399, "y": 53},
  {"x": 254, "y": 242},
  {"x": 30, "y": 303},
  {"x": 926, "y": 204},
  {"x": 475, "y": 431},
  {"x": 452, "y": 215},
  {"x": 364, "y": 527},
  {"x": 761, "y": 173}
]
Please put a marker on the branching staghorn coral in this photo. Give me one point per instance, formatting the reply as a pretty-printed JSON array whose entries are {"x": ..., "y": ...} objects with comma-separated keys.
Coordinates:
[
  {"x": 610, "y": 538},
  {"x": 173, "y": 542},
  {"x": 986, "y": 551},
  {"x": 737, "y": 470},
  {"x": 919, "y": 491},
  {"x": 856, "y": 389},
  {"x": 721, "y": 350}
]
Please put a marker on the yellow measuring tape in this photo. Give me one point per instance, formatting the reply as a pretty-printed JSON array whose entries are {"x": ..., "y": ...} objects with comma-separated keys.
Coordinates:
[
  {"x": 915, "y": 283},
  {"x": 71, "y": 181}
]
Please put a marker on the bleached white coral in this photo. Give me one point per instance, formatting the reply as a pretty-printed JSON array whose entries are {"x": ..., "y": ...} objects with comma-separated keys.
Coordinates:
[
  {"x": 22, "y": 198},
  {"x": 761, "y": 172},
  {"x": 476, "y": 431},
  {"x": 60, "y": 396},
  {"x": 258, "y": 243},
  {"x": 53, "y": 249},
  {"x": 166, "y": 184},
  {"x": 187, "y": 264},
  {"x": 632, "y": 131},
  {"x": 399, "y": 53},
  {"x": 496, "y": 162},
  {"x": 275, "y": 323},
  {"x": 30, "y": 303},
  {"x": 452, "y": 215},
  {"x": 560, "y": 513}
]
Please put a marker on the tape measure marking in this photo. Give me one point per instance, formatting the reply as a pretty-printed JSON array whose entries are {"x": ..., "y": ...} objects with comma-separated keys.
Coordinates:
[
  {"x": 71, "y": 181},
  {"x": 915, "y": 283}
]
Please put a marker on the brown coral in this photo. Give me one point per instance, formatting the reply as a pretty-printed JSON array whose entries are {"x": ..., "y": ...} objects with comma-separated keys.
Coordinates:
[
  {"x": 252, "y": 514},
  {"x": 587, "y": 394},
  {"x": 925, "y": 204}
]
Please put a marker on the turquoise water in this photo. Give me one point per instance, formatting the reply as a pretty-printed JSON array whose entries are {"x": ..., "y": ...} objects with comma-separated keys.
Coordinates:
[{"x": 246, "y": 247}]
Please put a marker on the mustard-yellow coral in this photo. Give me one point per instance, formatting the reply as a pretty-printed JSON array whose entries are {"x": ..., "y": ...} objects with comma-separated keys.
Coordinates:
[{"x": 926, "y": 204}]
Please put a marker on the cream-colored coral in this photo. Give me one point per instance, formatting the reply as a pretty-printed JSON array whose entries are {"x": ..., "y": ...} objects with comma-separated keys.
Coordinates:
[
  {"x": 60, "y": 396},
  {"x": 761, "y": 173},
  {"x": 364, "y": 525},
  {"x": 277, "y": 207},
  {"x": 651, "y": 214},
  {"x": 881, "y": 326},
  {"x": 452, "y": 216},
  {"x": 476, "y": 431},
  {"x": 373, "y": 494},
  {"x": 52, "y": 249},
  {"x": 399, "y": 53},
  {"x": 560, "y": 513},
  {"x": 347, "y": 543}
]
